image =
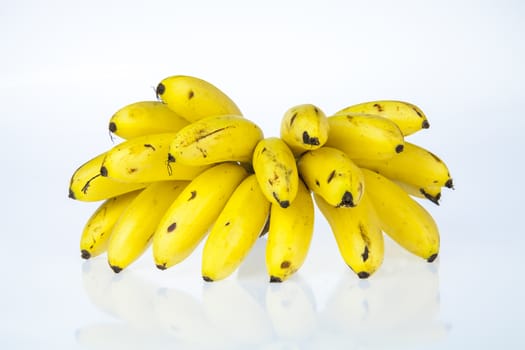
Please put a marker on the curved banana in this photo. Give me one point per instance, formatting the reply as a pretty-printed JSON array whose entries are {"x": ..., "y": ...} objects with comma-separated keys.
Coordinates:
[
  {"x": 190, "y": 216},
  {"x": 87, "y": 184},
  {"x": 95, "y": 236},
  {"x": 146, "y": 159},
  {"x": 408, "y": 117},
  {"x": 133, "y": 232},
  {"x": 145, "y": 118},
  {"x": 193, "y": 98},
  {"x": 304, "y": 127},
  {"x": 235, "y": 231},
  {"x": 275, "y": 168},
  {"x": 416, "y": 167},
  {"x": 330, "y": 173},
  {"x": 365, "y": 136},
  {"x": 401, "y": 217},
  {"x": 289, "y": 235},
  {"x": 215, "y": 139},
  {"x": 358, "y": 234}
]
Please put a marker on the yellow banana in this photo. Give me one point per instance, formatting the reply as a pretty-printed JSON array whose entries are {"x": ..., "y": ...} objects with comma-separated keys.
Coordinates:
[
  {"x": 408, "y": 117},
  {"x": 364, "y": 136},
  {"x": 187, "y": 220},
  {"x": 235, "y": 231},
  {"x": 304, "y": 127},
  {"x": 430, "y": 192},
  {"x": 401, "y": 217},
  {"x": 330, "y": 173},
  {"x": 215, "y": 139},
  {"x": 95, "y": 236},
  {"x": 358, "y": 234},
  {"x": 145, "y": 118},
  {"x": 134, "y": 230},
  {"x": 415, "y": 166},
  {"x": 276, "y": 170},
  {"x": 289, "y": 235},
  {"x": 146, "y": 159},
  {"x": 194, "y": 98},
  {"x": 88, "y": 185}
]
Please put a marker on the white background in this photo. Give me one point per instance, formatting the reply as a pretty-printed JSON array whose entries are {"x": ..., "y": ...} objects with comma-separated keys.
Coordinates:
[{"x": 66, "y": 67}]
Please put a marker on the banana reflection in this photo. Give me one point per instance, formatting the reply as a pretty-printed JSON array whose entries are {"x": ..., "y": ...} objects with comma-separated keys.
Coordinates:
[{"x": 398, "y": 307}]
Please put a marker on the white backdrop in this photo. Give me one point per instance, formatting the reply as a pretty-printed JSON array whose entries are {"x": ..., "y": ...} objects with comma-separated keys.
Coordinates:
[{"x": 67, "y": 66}]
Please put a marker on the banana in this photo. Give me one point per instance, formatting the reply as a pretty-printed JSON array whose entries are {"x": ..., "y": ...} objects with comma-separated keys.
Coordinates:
[
  {"x": 187, "y": 220},
  {"x": 194, "y": 98},
  {"x": 416, "y": 167},
  {"x": 330, "y": 173},
  {"x": 365, "y": 136},
  {"x": 95, "y": 236},
  {"x": 215, "y": 139},
  {"x": 146, "y": 159},
  {"x": 401, "y": 217},
  {"x": 276, "y": 171},
  {"x": 304, "y": 127},
  {"x": 88, "y": 185},
  {"x": 358, "y": 234},
  {"x": 145, "y": 118},
  {"x": 235, "y": 231},
  {"x": 408, "y": 117},
  {"x": 133, "y": 232},
  {"x": 289, "y": 235}
]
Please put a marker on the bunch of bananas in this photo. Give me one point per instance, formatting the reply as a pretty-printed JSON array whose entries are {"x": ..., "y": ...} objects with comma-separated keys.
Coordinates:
[{"x": 191, "y": 167}]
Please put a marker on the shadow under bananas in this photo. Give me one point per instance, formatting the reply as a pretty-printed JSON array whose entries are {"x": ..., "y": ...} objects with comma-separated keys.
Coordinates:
[{"x": 398, "y": 307}]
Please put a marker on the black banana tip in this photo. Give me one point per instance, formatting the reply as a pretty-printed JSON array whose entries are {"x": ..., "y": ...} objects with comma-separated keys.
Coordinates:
[
  {"x": 284, "y": 204},
  {"x": 307, "y": 140},
  {"x": 72, "y": 194},
  {"x": 425, "y": 124},
  {"x": 85, "y": 254},
  {"x": 104, "y": 171},
  {"x": 112, "y": 127},
  {"x": 449, "y": 184},
  {"x": 434, "y": 199},
  {"x": 399, "y": 148},
  {"x": 363, "y": 274},
  {"x": 116, "y": 269},
  {"x": 347, "y": 200},
  {"x": 160, "y": 89},
  {"x": 274, "y": 279},
  {"x": 161, "y": 266},
  {"x": 207, "y": 279},
  {"x": 432, "y": 258}
]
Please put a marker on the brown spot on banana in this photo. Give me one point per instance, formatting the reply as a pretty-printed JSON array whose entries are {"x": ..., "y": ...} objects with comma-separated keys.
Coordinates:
[
  {"x": 147, "y": 145},
  {"x": 103, "y": 172},
  {"x": 132, "y": 170},
  {"x": 399, "y": 148},
  {"x": 417, "y": 112},
  {"x": 285, "y": 264},
  {"x": 292, "y": 119},
  {"x": 364, "y": 255},
  {"x": 308, "y": 140},
  {"x": 193, "y": 195},
  {"x": 191, "y": 94},
  {"x": 330, "y": 177},
  {"x": 212, "y": 133},
  {"x": 171, "y": 227},
  {"x": 378, "y": 107}
]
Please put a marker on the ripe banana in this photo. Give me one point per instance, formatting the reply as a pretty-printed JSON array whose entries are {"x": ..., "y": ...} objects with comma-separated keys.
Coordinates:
[
  {"x": 415, "y": 167},
  {"x": 408, "y": 117},
  {"x": 289, "y": 235},
  {"x": 330, "y": 173},
  {"x": 401, "y": 217},
  {"x": 146, "y": 159},
  {"x": 215, "y": 139},
  {"x": 193, "y": 98},
  {"x": 358, "y": 234},
  {"x": 95, "y": 236},
  {"x": 88, "y": 185},
  {"x": 365, "y": 136},
  {"x": 145, "y": 118},
  {"x": 276, "y": 170},
  {"x": 235, "y": 231},
  {"x": 134, "y": 230},
  {"x": 304, "y": 127},
  {"x": 187, "y": 220}
]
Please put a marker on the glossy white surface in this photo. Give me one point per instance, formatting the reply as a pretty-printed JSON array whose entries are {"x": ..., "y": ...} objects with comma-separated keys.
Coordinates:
[{"x": 65, "y": 68}]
